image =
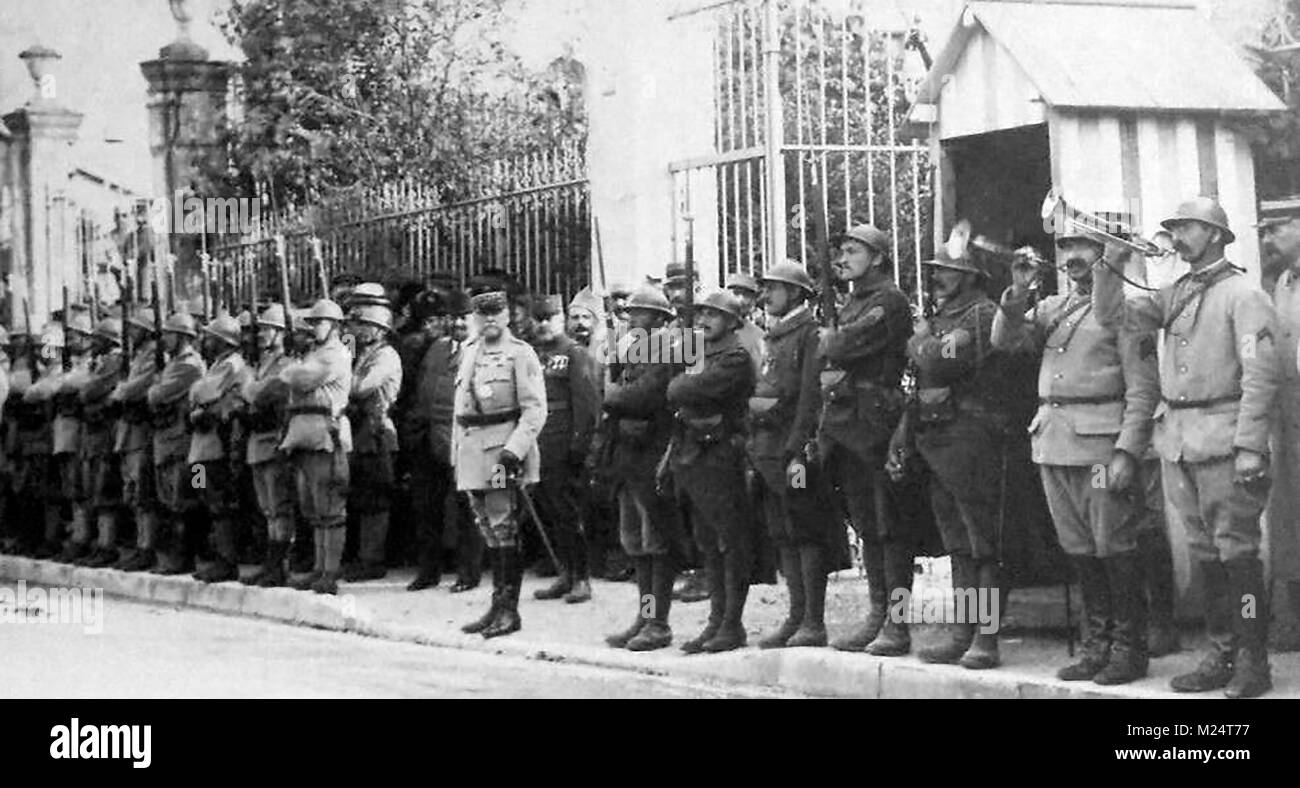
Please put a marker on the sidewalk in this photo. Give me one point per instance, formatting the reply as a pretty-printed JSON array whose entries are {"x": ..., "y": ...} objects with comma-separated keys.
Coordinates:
[{"x": 1033, "y": 647}]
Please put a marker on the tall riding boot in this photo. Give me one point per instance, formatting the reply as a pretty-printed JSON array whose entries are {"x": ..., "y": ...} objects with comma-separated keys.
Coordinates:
[
  {"x": 960, "y": 633},
  {"x": 1158, "y": 574},
  {"x": 578, "y": 568},
  {"x": 731, "y": 635},
  {"x": 373, "y": 537},
  {"x": 498, "y": 582},
  {"x": 717, "y": 603},
  {"x": 78, "y": 543},
  {"x": 644, "y": 565},
  {"x": 226, "y": 567},
  {"x": 793, "y": 572},
  {"x": 1251, "y": 676},
  {"x": 1097, "y": 619},
  {"x": 812, "y": 567},
  {"x": 873, "y": 561},
  {"x": 1215, "y": 668},
  {"x": 272, "y": 573},
  {"x": 334, "y": 539},
  {"x": 106, "y": 546},
  {"x": 983, "y": 652},
  {"x": 894, "y": 639},
  {"x": 507, "y": 619},
  {"x": 656, "y": 634},
  {"x": 318, "y": 563},
  {"x": 1128, "y": 652}
]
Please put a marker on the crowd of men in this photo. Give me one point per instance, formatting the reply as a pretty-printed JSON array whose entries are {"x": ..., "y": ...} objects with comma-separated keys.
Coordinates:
[{"x": 504, "y": 428}]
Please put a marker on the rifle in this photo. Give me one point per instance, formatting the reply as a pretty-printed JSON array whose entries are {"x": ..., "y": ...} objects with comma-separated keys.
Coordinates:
[
  {"x": 205, "y": 268},
  {"x": 67, "y": 357},
  {"x": 33, "y": 352},
  {"x": 318, "y": 259},
  {"x": 600, "y": 255},
  {"x": 256, "y": 352},
  {"x": 815, "y": 220},
  {"x": 689, "y": 311},
  {"x": 282, "y": 262},
  {"x": 158, "y": 359},
  {"x": 128, "y": 301}
]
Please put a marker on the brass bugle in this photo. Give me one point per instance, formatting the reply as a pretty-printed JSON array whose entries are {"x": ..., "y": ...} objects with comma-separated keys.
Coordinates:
[{"x": 1090, "y": 224}]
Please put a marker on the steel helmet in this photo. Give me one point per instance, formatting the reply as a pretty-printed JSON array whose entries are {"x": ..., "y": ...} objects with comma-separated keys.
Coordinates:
[
  {"x": 225, "y": 328},
  {"x": 369, "y": 294},
  {"x": 325, "y": 309},
  {"x": 675, "y": 273},
  {"x": 723, "y": 301},
  {"x": 298, "y": 319},
  {"x": 1205, "y": 210},
  {"x": 110, "y": 328},
  {"x": 743, "y": 281},
  {"x": 964, "y": 263},
  {"x": 650, "y": 298},
  {"x": 870, "y": 235},
  {"x": 272, "y": 317},
  {"x": 195, "y": 308},
  {"x": 245, "y": 318},
  {"x": 79, "y": 322},
  {"x": 790, "y": 273},
  {"x": 180, "y": 323},
  {"x": 142, "y": 318},
  {"x": 380, "y": 316}
]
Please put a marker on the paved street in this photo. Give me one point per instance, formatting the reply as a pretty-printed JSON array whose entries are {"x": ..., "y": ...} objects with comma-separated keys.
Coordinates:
[{"x": 148, "y": 651}]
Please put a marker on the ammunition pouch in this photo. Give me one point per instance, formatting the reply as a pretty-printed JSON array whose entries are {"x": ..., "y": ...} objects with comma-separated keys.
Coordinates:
[
  {"x": 164, "y": 416},
  {"x": 936, "y": 406},
  {"x": 263, "y": 420},
  {"x": 707, "y": 431},
  {"x": 204, "y": 422},
  {"x": 763, "y": 413}
]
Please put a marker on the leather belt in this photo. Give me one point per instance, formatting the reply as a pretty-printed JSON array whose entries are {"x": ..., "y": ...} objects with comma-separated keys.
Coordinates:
[
  {"x": 488, "y": 419},
  {"x": 311, "y": 410},
  {"x": 1189, "y": 404},
  {"x": 1098, "y": 400},
  {"x": 551, "y": 407}
]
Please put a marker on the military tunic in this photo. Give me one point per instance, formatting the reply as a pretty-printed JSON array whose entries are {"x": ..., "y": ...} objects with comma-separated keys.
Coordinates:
[
  {"x": 266, "y": 397},
  {"x": 500, "y": 405},
  {"x": 376, "y": 382},
  {"x": 429, "y": 421},
  {"x": 1284, "y": 503},
  {"x": 319, "y": 435},
  {"x": 133, "y": 440},
  {"x": 1219, "y": 377},
  {"x": 215, "y": 400},
  {"x": 99, "y": 461},
  {"x": 168, "y": 399},
  {"x": 1097, "y": 392}
]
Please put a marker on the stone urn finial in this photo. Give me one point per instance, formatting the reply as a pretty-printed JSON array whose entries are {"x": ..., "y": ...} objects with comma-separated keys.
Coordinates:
[
  {"x": 40, "y": 65},
  {"x": 183, "y": 15},
  {"x": 183, "y": 48}
]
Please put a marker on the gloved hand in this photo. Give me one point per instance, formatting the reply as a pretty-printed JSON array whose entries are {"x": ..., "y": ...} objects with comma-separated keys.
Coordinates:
[{"x": 511, "y": 463}]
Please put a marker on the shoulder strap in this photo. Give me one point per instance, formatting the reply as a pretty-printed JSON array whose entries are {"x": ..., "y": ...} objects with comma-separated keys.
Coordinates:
[{"x": 1197, "y": 292}]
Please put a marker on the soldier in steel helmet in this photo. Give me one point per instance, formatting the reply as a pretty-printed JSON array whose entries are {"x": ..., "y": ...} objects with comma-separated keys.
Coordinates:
[
  {"x": 707, "y": 466},
  {"x": 1219, "y": 379},
  {"x": 318, "y": 439},
  {"x": 959, "y": 422},
  {"x": 500, "y": 409},
  {"x": 634, "y": 434},
  {"x": 266, "y": 399},
  {"x": 47, "y": 462},
  {"x": 69, "y": 434},
  {"x": 99, "y": 463},
  {"x": 215, "y": 402},
  {"x": 376, "y": 381},
  {"x": 168, "y": 400},
  {"x": 862, "y": 364},
  {"x": 783, "y": 416},
  {"x": 133, "y": 442}
]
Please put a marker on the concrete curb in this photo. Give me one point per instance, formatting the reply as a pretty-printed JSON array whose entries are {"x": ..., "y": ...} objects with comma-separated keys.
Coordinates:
[{"x": 820, "y": 672}]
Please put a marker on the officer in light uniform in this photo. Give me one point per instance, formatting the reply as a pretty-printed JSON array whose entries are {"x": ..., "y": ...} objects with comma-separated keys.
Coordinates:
[
  {"x": 168, "y": 400},
  {"x": 99, "y": 463},
  {"x": 215, "y": 402},
  {"x": 1219, "y": 376},
  {"x": 500, "y": 409},
  {"x": 266, "y": 398},
  {"x": 1097, "y": 392},
  {"x": 376, "y": 381},
  {"x": 133, "y": 442},
  {"x": 318, "y": 440}
]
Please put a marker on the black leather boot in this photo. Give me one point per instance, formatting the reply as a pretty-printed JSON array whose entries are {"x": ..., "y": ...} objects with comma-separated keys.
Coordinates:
[
  {"x": 1251, "y": 674},
  {"x": 226, "y": 567},
  {"x": 1215, "y": 668},
  {"x": 878, "y": 599},
  {"x": 731, "y": 635},
  {"x": 656, "y": 634},
  {"x": 717, "y": 606},
  {"x": 498, "y": 582},
  {"x": 562, "y": 585},
  {"x": 507, "y": 620},
  {"x": 1128, "y": 652},
  {"x": 960, "y": 635},
  {"x": 271, "y": 575},
  {"x": 793, "y": 572},
  {"x": 812, "y": 632},
  {"x": 983, "y": 652},
  {"x": 1158, "y": 574},
  {"x": 644, "y": 566},
  {"x": 894, "y": 639},
  {"x": 1094, "y": 652}
]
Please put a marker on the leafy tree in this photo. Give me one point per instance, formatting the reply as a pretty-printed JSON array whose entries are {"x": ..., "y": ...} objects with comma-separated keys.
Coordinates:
[{"x": 1277, "y": 137}]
